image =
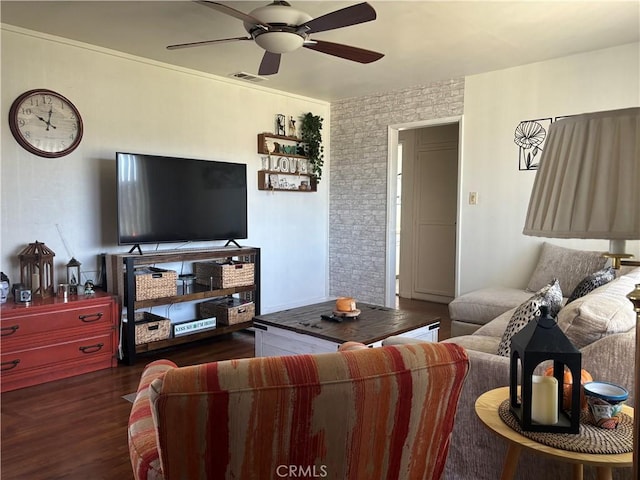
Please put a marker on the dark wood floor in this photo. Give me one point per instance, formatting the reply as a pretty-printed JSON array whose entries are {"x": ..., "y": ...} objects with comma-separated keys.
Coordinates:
[{"x": 76, "y": 428}]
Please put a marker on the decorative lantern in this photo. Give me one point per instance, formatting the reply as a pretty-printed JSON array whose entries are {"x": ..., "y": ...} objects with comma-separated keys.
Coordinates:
[
  {"x": 36, "y": 269},
  {"x": 73, "y": 275},
  {"x": 540, "y": 407}
]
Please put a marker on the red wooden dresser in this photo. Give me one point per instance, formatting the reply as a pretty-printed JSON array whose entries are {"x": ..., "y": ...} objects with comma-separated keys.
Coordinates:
[{"x": 51, "y": 338}]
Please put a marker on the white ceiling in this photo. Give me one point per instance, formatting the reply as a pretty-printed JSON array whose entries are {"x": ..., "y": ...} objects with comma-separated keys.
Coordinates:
[{"x": 423, "y": 41}]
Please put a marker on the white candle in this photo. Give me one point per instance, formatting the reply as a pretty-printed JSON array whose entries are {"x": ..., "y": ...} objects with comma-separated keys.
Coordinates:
[
  {"x": 544, "y": 400},
  {"x": 35, "y": 281}
]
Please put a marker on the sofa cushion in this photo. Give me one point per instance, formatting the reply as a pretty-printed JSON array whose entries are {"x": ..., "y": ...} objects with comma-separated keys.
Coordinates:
[
  {"x": 569, "y": 266},
  {"x": 591, "y": 282},
  {"x": 478, "y": 343},
  {"x": 497, "y": 326},
  {"x": 550, "y": 295},
  {"x": 482, "y": 306},
  {"x": 604, "y": 311}
]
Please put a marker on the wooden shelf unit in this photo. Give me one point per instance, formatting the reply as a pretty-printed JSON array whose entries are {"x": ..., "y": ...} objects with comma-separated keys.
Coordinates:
[
  {"x": 302, "y": 181},
  {"x": 263, "y": 138},
  {"x": 264, "y": 181},
  {"x": 121, "y": 281}
]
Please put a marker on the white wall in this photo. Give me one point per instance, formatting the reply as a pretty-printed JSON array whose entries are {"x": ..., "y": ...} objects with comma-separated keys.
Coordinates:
[
  {"x": 493, "y": 250},
  {"x": 131, "y": 104}
]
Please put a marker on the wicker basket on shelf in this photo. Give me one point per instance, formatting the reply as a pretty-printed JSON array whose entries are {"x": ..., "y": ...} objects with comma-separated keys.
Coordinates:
[
  {"x": 151, "y": 327},
  {"x": 228, "y": 311},
  {"x": 224, "y": 275},
  {"x": 152, "y": 282}
]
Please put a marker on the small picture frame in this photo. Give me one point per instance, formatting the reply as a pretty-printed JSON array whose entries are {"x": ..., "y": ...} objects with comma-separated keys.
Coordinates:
[{"x": 281, "y": 124}]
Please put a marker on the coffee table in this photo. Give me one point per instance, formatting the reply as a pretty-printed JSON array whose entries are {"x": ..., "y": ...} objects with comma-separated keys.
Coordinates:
[
  {"x": 302, "y": 330},
  {"x": 487, "y": 410}
]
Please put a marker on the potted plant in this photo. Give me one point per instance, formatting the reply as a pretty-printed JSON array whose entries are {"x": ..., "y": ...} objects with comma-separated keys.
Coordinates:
[{"x": 311, "y": 136}]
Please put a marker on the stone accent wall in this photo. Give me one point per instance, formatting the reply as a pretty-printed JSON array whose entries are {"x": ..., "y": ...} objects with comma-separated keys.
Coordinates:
[{"x": 358, "y": 183}]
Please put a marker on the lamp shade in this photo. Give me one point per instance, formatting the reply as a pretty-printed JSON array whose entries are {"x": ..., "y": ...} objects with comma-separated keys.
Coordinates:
[{"x": 587, "y": 182}]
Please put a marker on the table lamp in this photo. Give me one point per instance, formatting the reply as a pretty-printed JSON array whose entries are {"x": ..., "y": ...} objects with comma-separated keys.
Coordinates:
[{"x": 587, "y": 182}]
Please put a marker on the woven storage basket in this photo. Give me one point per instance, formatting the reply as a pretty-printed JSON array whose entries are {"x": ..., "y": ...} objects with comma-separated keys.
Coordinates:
[
  {"x": 228, "y": 311},
  {"x": 152, "y": 282},
  {"x": 224, "y": 275},
  {"x": 151, "y": 328}
]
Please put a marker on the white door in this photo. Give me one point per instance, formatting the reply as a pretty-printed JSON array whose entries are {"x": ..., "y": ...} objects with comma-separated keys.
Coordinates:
[{"x": 433, "y": 190}]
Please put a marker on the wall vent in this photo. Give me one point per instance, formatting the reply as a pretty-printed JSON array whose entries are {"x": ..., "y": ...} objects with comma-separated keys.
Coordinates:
[{"x": 249, "y": 77}]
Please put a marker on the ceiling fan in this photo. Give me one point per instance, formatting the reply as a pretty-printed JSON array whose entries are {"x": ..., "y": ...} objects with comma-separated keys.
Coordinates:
[{"x": 279, "y": 28}]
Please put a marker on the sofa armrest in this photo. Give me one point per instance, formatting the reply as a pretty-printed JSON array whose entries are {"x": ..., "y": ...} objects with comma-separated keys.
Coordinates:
[
  {"x": 143, "y": 451},
  {"x": 612, "y": 359}
]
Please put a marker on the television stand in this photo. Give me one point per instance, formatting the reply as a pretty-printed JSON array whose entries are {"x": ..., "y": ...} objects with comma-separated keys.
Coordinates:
[
  {"x": 121, "y": 281},
  {"x": 136, "y": 247}
]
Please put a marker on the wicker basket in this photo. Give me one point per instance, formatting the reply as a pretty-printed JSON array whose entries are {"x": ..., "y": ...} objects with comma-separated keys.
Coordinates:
[
  {"x": 228, "y": 311},
  {"x": 152, "y": 282},
  {"x": 151, "y": 328},
  {"x": 224, "y": 275}
]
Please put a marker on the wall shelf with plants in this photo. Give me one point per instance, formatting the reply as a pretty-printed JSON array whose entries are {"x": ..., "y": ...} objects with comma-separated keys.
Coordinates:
[{"x": 290, "y": 163}]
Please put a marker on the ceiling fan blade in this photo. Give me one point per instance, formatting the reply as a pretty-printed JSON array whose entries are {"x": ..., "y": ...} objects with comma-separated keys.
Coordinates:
[
  {"x": 345, "y": 17},
  {"x": 270, "y": 64},
  {"x": 233, "y": 12},
  {"x": 348, "y": 52},
  {"x": 206, "y": 42}
]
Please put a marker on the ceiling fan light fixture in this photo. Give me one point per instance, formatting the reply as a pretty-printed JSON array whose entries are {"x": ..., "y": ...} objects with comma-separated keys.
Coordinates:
[
  {"x": 279, "y": 13},
  {"x": 279, "y": 42}
]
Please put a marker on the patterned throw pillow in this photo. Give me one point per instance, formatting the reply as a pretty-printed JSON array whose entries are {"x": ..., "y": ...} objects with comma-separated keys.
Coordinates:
[
  {"x": 550, "y": 295},
  {"x": 591, "y": 282}
]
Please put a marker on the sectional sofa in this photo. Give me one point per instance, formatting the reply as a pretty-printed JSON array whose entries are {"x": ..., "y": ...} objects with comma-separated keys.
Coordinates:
[{"x": 601, "y": 324}]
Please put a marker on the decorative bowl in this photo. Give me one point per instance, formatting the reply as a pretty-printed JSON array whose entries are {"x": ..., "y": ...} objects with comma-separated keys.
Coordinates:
[{"x": 605, "y": 402}]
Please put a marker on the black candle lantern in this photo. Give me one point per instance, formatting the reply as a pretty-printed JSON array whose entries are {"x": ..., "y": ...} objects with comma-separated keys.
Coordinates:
[
  {"x": 73, "y": 275},
  {"x": 541, "y": 340}
]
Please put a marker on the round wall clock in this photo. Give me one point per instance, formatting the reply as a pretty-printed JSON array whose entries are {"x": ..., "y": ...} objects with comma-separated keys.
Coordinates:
[{"x": 45, "y": 123}]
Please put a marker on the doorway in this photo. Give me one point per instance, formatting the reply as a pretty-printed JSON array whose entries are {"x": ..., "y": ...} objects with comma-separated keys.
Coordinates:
[{"x": 423, "y": 197}]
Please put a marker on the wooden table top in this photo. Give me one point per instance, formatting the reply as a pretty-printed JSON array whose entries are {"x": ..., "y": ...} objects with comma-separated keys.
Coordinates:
[
  {"x": 487, "y": 409},
  {"x": 374, "y": 323}
]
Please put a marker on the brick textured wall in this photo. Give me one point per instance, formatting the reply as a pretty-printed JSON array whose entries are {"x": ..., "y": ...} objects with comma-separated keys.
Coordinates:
[{"x": 358, "y": 184}]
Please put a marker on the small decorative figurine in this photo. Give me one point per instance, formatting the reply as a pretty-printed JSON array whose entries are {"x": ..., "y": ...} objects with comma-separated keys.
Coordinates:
[
  {"x": 88, "y": 287},
  {"x": 280, "y": 120},
  {"x": 292, "y": 127}
]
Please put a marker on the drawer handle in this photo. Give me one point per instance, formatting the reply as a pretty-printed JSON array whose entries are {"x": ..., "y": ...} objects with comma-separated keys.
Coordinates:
[
  {"x": 93, "y": 317},
  {"x": 92, "y": 348},
  {"x": 6, "y": 331},
  {"x": 5, "y": 366}
]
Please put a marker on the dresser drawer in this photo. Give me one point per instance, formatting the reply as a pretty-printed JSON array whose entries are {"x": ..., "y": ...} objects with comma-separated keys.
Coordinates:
[
  {"x": 36, "y": 365},
  {"x": 88, "y": 318}
]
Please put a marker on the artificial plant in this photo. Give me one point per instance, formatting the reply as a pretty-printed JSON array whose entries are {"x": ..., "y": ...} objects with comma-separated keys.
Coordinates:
[{"x": 311, "y": 136}]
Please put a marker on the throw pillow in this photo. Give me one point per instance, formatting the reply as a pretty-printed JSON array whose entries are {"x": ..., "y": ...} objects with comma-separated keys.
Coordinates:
[
  {"x": 591, "y": 282},
  {"x": 569, "y": 266},
  {"x": 550, "y": 295},
  {"x": 605, "y": 311}
]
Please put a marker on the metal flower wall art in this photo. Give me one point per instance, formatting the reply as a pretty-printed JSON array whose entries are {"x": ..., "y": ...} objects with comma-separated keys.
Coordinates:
[{"x": 529, "y": 137}]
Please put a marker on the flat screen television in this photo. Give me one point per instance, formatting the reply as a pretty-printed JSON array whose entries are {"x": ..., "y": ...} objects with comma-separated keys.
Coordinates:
[{"x": 169, "y": 199}]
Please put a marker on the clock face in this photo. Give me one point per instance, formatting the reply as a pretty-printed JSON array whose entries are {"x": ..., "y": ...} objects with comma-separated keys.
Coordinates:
[{"x": 45, "y": 123}]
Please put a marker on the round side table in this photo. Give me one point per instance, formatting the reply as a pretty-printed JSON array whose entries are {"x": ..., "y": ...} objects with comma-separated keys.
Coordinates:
[{"x": 487, "y": 410}]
